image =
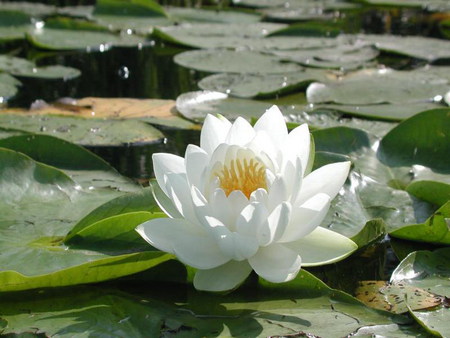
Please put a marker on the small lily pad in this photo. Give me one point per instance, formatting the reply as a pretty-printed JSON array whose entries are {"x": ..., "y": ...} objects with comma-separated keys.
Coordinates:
[
  {"x": 198, "y": 15},
  {"x": 381, "y": 86},
  {"x": 339, "y": 57},
  {"x": 429, "y": 49},
  {"x": 392, "y": 297},
  {"x": 260, "y": 85},
  {"x": 88, "y": 132},
  {"x": 215, "y": 61},
  {"x": 153, "y": 111}
]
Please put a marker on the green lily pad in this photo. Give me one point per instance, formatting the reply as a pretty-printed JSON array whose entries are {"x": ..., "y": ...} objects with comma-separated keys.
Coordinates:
[
  {"x": 432, "y": 5},
  {"x": 435, "y": 230},
  {"x": 434, "y": 192},
  {"x": 422, "y": 139},
  {"x": 90, "y": 132},
  {"x": 392, "y": 297},
  {"x": 260, "y": 85},
  {"x": 137, "y": 15},
  {"x": 232, "y": 36},
  {"x": 8, "y": 86},
  {"x": 266, "y": 311},
  {"x": 429, "y": 49},
  {"x": 428, "y": 270},
  {"x": 34, "y": 234},
  {"x": 215, "y": 61},
  {"x": 372, "y": 86},
  {"x": 384, "y": 111},
  {"x": 339, "y": 57},
  {"x": 198, "y": 15},
  {"x": 13, "y": 25},
  {"x": 69, "y": 34}
]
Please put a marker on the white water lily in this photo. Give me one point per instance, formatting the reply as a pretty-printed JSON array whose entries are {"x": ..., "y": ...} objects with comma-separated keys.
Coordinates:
[{"x": 245, "y": 200}]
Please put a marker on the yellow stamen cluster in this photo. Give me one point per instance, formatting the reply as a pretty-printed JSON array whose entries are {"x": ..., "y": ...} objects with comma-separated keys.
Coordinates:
[{"x": 244, "y": 175}]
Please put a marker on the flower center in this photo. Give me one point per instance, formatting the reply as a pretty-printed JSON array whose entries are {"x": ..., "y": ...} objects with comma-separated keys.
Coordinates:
[{"x": 245, "y": 175}]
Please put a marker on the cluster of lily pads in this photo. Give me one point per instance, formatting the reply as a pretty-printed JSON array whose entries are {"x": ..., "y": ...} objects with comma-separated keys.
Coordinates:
[{"x": 67, "y": 218}]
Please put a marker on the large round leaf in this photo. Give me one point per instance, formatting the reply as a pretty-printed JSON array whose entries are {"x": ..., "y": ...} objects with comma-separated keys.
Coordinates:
[
  {"x": 42, "y": 203},
  {"x": 91, "y": 132},
  {"x": 234, "y": 62},
  {"x": 422, "y": 139}
]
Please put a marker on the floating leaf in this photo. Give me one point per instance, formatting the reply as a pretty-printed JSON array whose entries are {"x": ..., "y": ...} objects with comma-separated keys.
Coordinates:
[
  {"x": 233, "y": 36},
  {"x": 92, "y": 132},
  {"x": 429, "y": 49},
  {"x": 339, "y": 57},
  {"x": 373, "y": 86},
  {"x": 33, "y": 234},
  {"x": 431, "y": 271},
  {"x": 154, "y": 111},
  {"x": 134, "y": 14},
  {"x": 234, "y": 62},
  {"x": 199, "y": 15},
  {"x": 260, "y": 85},
  {"x": 266, "y": 311},
  {"x": 422, "y": 139},
  {"x": 68, "y": 34},
  {"x": 434, "y": 192},
  {"x": 435, "y": 230},
  {"x": 13, "y": 25},
  {"x": 395, "y": 297}
]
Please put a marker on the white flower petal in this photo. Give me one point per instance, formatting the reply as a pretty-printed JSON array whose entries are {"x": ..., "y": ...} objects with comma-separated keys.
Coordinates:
[
  {"x": 214, "y": 132},
  {"x": 274, "y": 226},
  {"x": 240, "y": 133},
  {"x": 196, "y": 161},
  {"x": 251, "y": 219},
  {"x": 167, "y": 163},
  {"x": 298, "y": 145},
  {"x": 223, "y": 278},
  {"x": 262, "y": 145},
  {"x": 179, "y": 192},
  {"x": 164, "y": 202},
  {"x": 276, "y": 263},
  {"x": 323, "y": 246},
  {"x": 238, "y": 201},
  {"x": 277, "y": 192},
  {"x": 189, "y": 242},
  {"x": 232, "y": 244},
  {"x": 273, "y": 123},
  {"x": 306, "y": 218},
  {"x": 328, "y": 179}
]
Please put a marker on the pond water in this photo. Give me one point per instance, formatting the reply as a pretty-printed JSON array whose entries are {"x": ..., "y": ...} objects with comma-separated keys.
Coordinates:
[{"x": 353, "y": 70}]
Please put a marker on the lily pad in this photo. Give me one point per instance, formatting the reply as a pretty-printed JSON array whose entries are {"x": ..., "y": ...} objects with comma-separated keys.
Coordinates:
[
  {"x": 224, "y": 15},
  {"x": 324, "y": 312},
  {"x": 380, "y": 86},
  {"x": 434, "y": 192},
  {"x": 432, "y": 5},
  {"x": 435, "y": 230},
  {"x": 154, "y": 111},
  {"x": 215, "y": 61},
  {"x": 67, "y": 34},
  {"x": 392, "y": 297},
  {"x": 137, "y": 15},
  {"x": 8, "y": 86},
  {"x": 88, "y": 132},
  {"x": 13, "y": 25},
  {"x": 339, "y": 57},
  {"x": 233, "y": 36},
  {"x": 429, "y": 49},
  {"x": 422, "y": 139},
  {"x": 260, "y": 85},
  {"x": 428, "y": 270},
  {"x": 34, "y": 235}
]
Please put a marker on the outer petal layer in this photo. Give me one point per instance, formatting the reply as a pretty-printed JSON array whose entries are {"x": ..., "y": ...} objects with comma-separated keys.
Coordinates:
[
  {"x": 323, "y": 246},
  {"x": 188, "y": 242},
  {"x": 276, "y": 263},
  {"x": 328, "y": 179},
  {"x": 223, "y": 278}
]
